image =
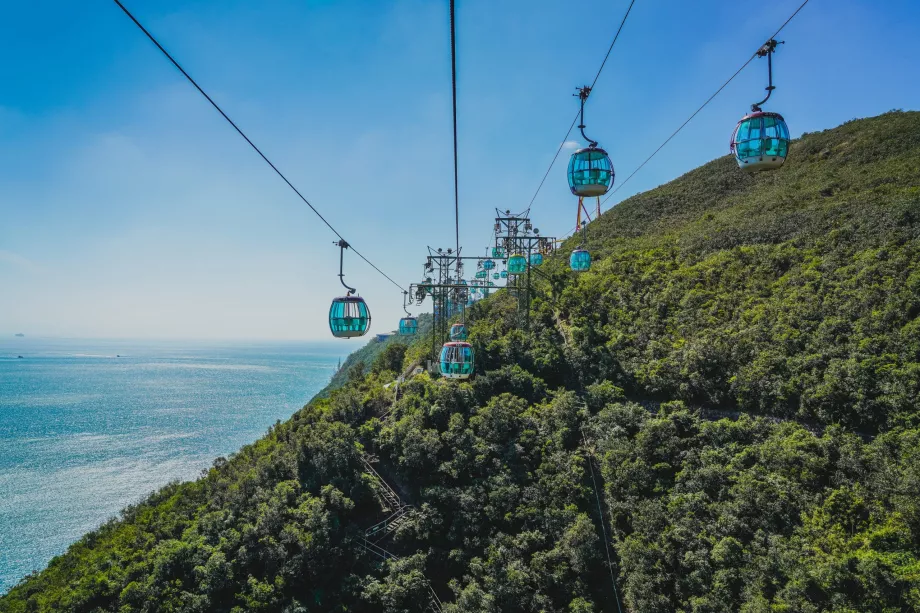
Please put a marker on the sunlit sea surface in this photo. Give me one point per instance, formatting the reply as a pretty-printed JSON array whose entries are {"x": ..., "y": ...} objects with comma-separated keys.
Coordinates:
[{"x": 83, "y": 433}]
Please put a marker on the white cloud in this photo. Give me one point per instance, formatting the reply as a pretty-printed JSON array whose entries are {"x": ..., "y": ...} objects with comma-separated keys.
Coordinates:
[{"x": 570, "y": 144}]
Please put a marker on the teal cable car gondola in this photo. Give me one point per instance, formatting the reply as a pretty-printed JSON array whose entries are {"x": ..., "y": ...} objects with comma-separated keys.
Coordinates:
[
  {"x": 580, "y": 260},
  {"x": 456, "y": 360},
  {"x": 481, "y": 274},
  {"x": 495, "y": 275},
  {"x": 517, "y": 264},
  {"x": 536, "y": 259},
  {"x": 498, "y": 252},
  {"x": 349, "y": 315},
  {"x": 504, "y": 274},
  {"x": 458, "y": 332},
  {"x": 590, "y": 172},
  {"x": 761, "y": 140},
  {"x": 408, "y": 325},
  {"x": 488, "y": 264}
]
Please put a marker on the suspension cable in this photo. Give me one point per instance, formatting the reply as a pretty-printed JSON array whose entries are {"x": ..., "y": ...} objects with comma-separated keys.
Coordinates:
[
  {"x": 593, "y": 83},
  {"x": 453, "y": 78},
  {"x": 246, "y": 138},
  {"x": 697, "y": 111},
  {"x": 600, "y": 511}
]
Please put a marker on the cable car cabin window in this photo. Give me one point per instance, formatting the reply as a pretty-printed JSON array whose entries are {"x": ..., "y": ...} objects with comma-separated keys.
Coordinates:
[
  {"x": 349, "y": 317},
  {"x": 775, "y": 136},
  {"x": 744, "y": 131}
]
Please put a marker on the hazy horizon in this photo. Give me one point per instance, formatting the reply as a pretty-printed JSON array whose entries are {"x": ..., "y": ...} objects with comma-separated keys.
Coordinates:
[{"x": 357, "y": 342}]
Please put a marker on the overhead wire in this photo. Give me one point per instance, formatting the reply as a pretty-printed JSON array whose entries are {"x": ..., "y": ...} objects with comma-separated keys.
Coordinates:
[
  {"x": 600, "y": 511},
  {"x": 247, "y": 139},
  {"x": 697, "y": 111},
  {"x": 593, "y": 83},
  {"x": 453, "y": 78}
]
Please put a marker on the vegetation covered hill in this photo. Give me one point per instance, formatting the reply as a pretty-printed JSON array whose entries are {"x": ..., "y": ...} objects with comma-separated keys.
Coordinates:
[
  {"x": 794, "y": 293},
  {"x": 582, "y": 469},
  {"x": 361, "y": 360}
]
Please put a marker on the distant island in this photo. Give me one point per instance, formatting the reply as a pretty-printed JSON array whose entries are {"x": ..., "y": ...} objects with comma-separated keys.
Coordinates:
[{"x": 20, "y": 334}]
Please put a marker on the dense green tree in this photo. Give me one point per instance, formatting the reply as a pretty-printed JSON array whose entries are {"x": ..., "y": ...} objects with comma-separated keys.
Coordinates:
[{"x": 391, "y": 359}]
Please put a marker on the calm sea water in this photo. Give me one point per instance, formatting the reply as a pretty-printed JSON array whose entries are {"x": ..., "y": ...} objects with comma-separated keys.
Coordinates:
[{"x": 83, "y": 433}]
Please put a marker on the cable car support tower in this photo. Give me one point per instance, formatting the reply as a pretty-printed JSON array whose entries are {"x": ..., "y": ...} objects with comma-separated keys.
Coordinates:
[{"x": 525, "y": 248}]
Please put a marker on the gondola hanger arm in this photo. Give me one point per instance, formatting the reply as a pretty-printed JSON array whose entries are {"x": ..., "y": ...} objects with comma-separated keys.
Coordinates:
[
  {"x": 405, "y": 298},
  {"x": 343, "y": 245},
  {"x": 767, "y": 51},
  {"x": 583, "y": 93}
]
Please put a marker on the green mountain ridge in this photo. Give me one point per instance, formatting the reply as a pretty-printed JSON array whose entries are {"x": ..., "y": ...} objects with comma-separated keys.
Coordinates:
[{"x": 545, "y": 483}]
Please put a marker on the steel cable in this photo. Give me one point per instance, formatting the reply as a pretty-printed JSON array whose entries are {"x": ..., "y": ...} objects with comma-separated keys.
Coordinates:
[{"x": 246, "y": 138}]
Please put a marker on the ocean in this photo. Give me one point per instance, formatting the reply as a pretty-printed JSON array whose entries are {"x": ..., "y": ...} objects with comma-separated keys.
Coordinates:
[{"x": 84, "y": 433}]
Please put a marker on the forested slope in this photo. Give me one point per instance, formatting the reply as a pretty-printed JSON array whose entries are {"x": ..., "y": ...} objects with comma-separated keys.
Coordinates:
[
  {"x": 361, "y": 360},
  {"x": 794, "y": 293},
  {"x": 546, "y": 483}
]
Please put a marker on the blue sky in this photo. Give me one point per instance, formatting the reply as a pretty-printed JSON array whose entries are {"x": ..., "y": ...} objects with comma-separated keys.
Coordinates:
[{"x": 128, "y": 208}]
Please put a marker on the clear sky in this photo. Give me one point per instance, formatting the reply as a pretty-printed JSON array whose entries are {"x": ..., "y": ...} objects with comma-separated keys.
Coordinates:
[{"x": 128, "y": 208}]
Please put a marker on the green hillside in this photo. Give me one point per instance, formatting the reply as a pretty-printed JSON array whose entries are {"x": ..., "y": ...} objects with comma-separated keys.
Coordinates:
[
  {"x": 589, "y": 466},
  {"x": 794, "y": 293},
  {"x": 360, "y": 361}
]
